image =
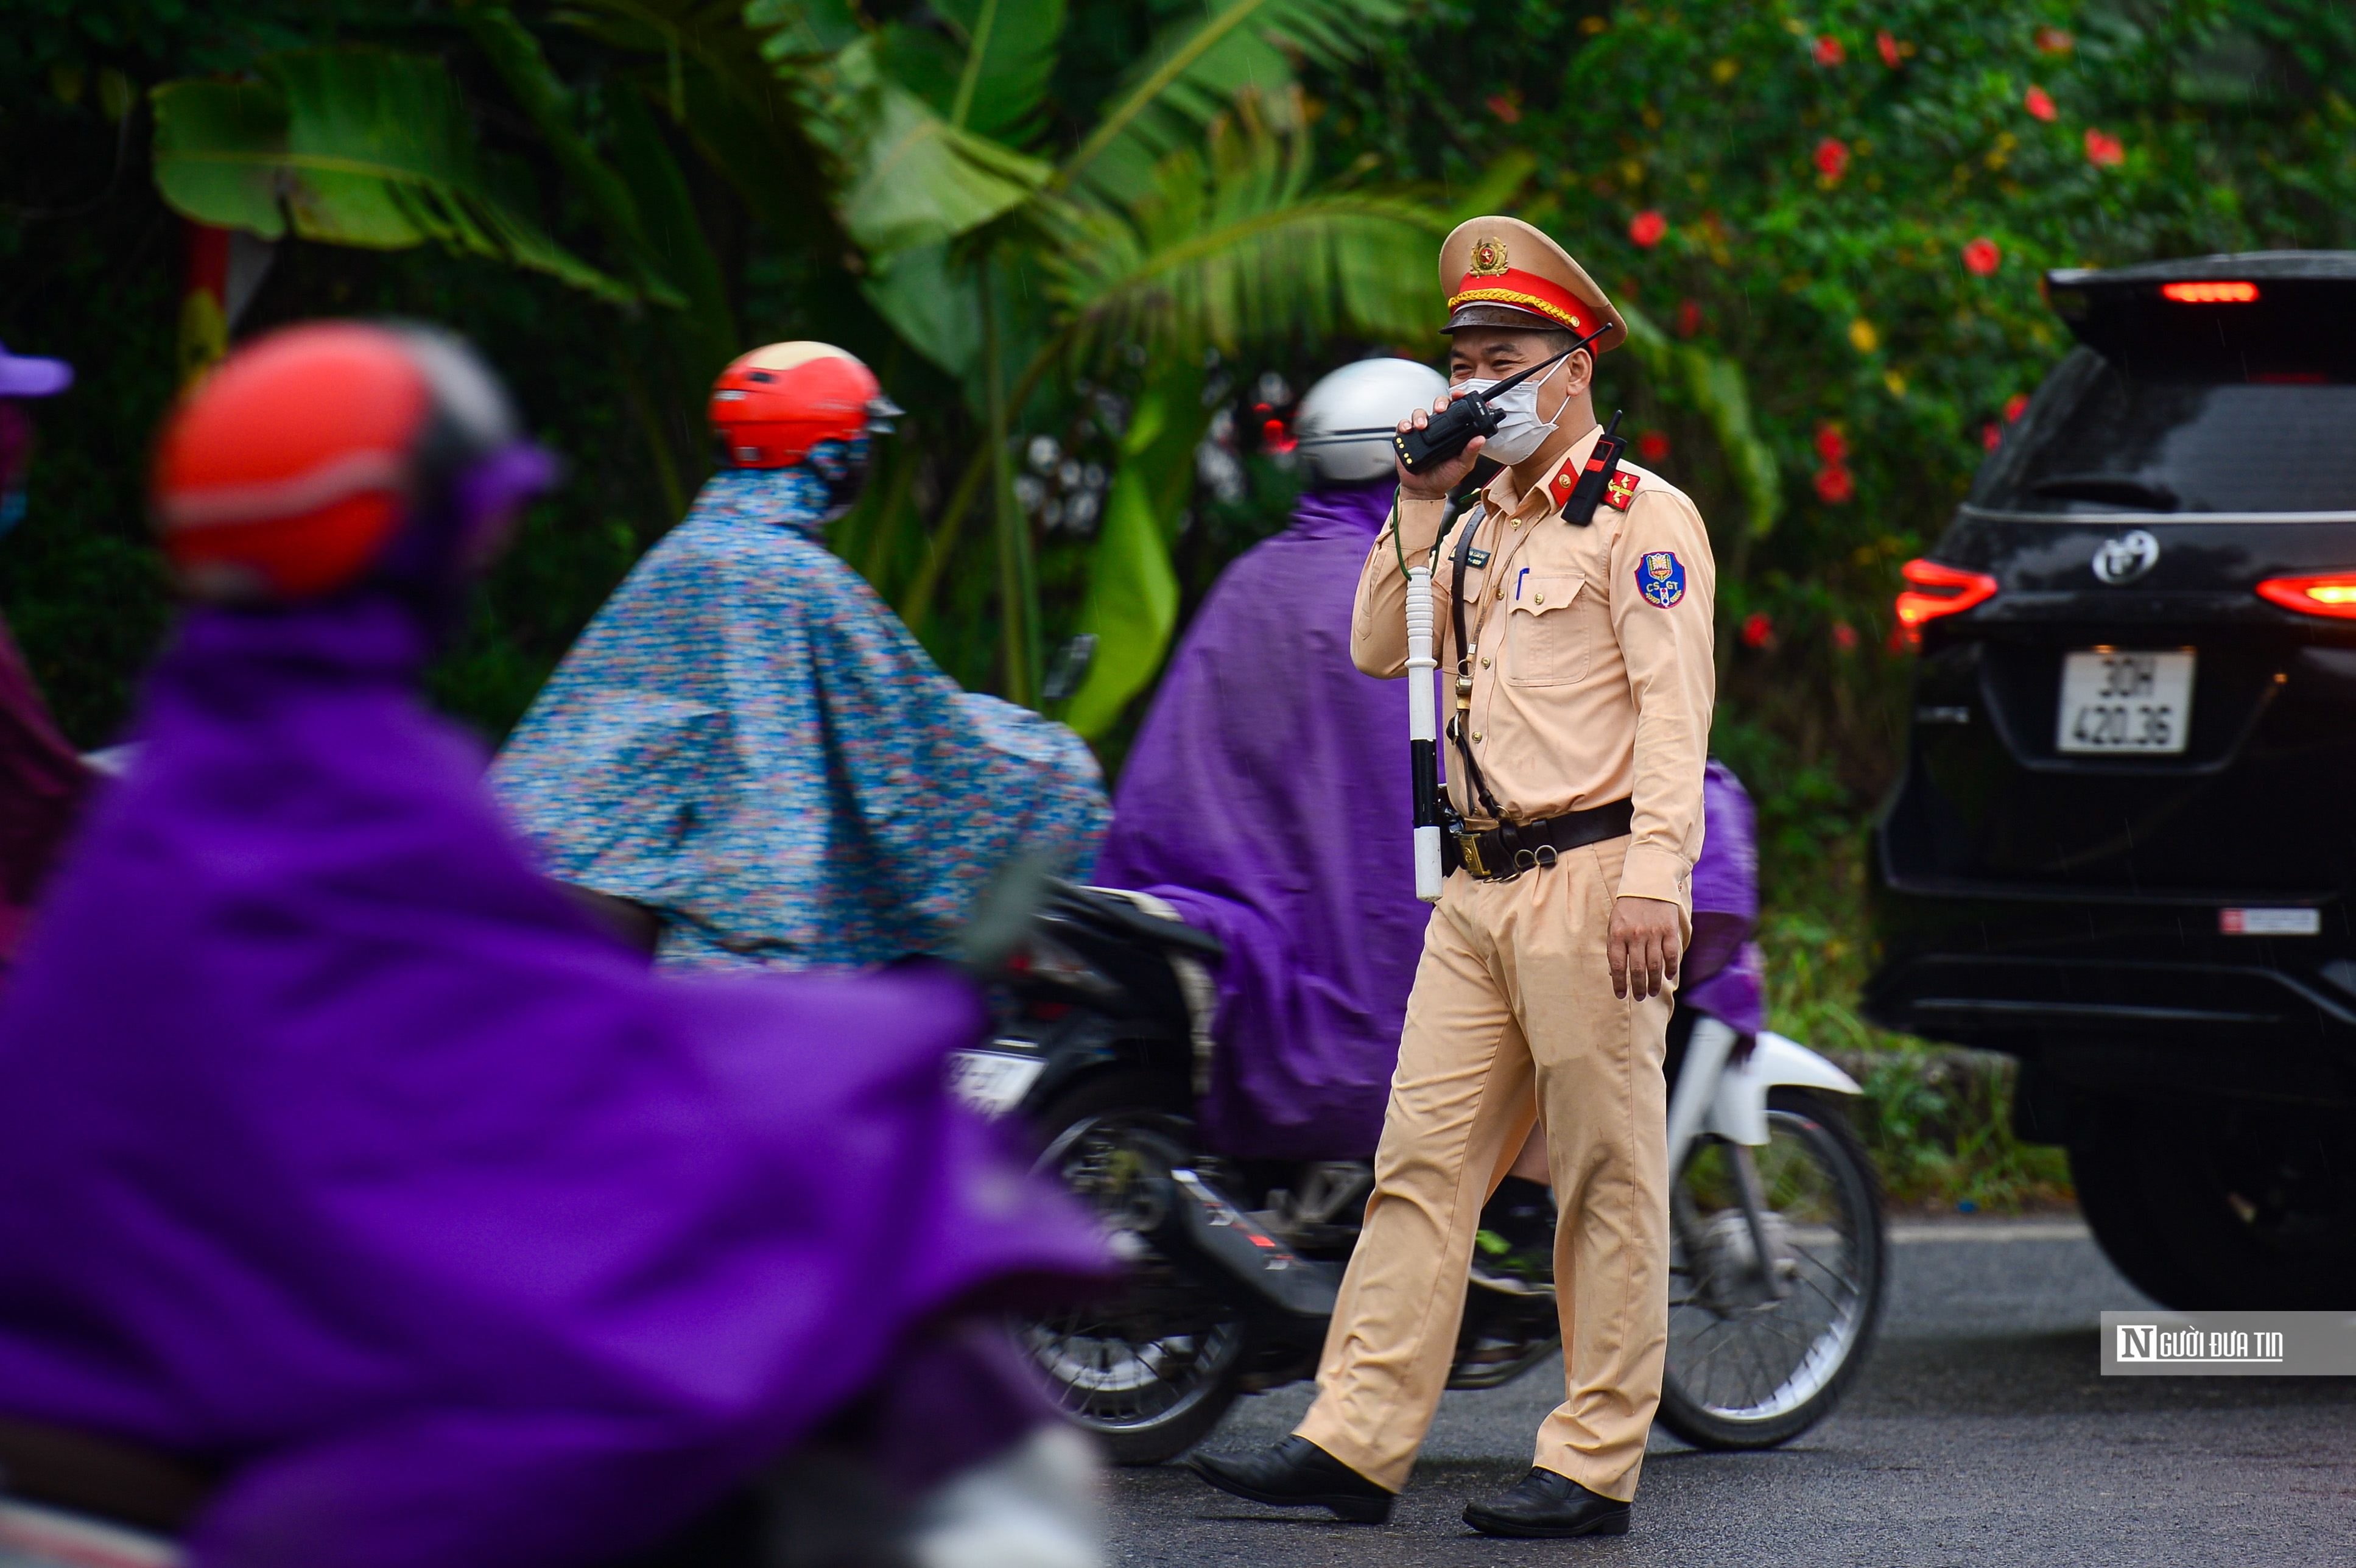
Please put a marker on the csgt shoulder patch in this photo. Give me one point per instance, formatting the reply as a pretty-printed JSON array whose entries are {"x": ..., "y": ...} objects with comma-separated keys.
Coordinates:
[
  {"x": 1662, "y": 577},
  {"x": 1622, "y": 489}
]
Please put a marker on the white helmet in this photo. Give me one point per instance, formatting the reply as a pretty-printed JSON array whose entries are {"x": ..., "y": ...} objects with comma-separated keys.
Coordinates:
[{"x": 1344, "y": 422}]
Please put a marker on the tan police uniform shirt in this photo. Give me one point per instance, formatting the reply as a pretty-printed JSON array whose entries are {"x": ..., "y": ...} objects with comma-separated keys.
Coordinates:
[{"x": 1592, "y": 672}]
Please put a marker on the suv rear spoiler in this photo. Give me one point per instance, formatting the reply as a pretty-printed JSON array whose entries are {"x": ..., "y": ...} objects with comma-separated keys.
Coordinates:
[{"x": 2263, "y": 315}]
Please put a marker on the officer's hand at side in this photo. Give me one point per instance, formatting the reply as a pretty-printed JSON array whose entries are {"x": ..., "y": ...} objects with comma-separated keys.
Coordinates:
[
  {"x": 1642, "y": 946},
  {"x": 1435, "y": 485}
]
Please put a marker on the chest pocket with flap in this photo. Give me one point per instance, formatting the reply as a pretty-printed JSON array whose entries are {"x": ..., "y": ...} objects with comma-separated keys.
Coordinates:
[{"x": 1547, "y": 634}]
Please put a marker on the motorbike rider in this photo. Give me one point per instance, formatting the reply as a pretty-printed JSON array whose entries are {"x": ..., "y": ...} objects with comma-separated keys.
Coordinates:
[
  {"x": 746, "y": 741},
  {"x": 377, "y": 1208},
  {"x": 42, "y": 781},
  {"x": 1263, "y": 796}
]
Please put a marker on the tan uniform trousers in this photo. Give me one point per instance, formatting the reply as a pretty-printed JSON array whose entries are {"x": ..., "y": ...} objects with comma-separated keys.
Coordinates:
[{"x": 1513, "y": 1014}]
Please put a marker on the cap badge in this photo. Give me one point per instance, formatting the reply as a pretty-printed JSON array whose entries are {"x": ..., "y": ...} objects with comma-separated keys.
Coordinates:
[{"x": 1489, "y": 257}]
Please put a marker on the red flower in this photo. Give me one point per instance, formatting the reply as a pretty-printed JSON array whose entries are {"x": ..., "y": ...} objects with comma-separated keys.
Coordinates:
[
  {"x": 2038, "y": 103},
  {"x": 1991, "y": 436},
  {"x": 1688, "y": 318},
  {"x": 1653, "y": 446},
  {"x": 1831, "y": 444},
  {"x": 1648, "y": 227},
  {"x": 1889, "y": 47},
  {"x": 2054, "y": 41},
  {"x": 1844, "y": 634},
  {"x": 1981, "y": 257},
  {"x": 1832, "y": 157},
  {"x": 1504, "y": 107},
  {"x": 1836, "y": 484},
  {"x": 1757, "y": 628},
  {"x": 1828, "y": 50},
  {"x": 2013, "y": 405},
  {"x": 2104, "y": 152}
]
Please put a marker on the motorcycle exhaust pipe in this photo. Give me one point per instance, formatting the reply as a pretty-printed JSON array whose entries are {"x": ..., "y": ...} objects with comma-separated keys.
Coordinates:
[{"x": 1203, "y": 1227}]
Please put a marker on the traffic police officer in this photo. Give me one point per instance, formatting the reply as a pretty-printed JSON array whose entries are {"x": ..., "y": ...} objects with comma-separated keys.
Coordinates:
[{"x": 1543, "y": 990}]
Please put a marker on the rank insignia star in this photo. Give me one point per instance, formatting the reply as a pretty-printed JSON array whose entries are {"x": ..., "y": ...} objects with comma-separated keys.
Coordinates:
[{"x": 1622, "y": 489}]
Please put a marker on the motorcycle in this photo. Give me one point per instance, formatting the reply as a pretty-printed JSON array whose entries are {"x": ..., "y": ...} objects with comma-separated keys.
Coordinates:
[{"x": 1103, "y": 1047}]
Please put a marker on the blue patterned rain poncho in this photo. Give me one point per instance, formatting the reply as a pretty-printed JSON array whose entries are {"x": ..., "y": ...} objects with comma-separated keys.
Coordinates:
[{"x": 746, "y": 739}]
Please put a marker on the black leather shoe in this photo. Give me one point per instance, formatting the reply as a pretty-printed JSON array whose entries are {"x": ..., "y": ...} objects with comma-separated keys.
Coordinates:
[
  {"x": 1544, "y": 1504},
  {"x": 1297, "y": 1474}
]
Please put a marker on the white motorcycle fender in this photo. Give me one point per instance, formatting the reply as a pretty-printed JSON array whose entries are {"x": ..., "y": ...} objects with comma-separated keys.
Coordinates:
[{"x": 1738, "y": 1112}]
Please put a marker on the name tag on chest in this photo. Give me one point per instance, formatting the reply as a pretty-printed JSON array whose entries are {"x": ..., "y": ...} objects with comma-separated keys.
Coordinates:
[{"x": 1476, "y": 559}]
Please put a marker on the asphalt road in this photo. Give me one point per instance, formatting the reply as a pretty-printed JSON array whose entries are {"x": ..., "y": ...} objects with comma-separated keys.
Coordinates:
[{"x": 1981, "y": 1431}]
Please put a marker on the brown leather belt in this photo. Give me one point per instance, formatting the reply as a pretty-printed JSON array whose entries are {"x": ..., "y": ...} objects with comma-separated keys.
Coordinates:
[
  {"x": 1505, "y": 852},
  {"x": 101, "y": 1476}
]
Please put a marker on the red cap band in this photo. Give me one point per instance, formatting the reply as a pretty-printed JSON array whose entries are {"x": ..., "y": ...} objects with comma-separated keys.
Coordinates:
[{"x": 1526, "y": 290}]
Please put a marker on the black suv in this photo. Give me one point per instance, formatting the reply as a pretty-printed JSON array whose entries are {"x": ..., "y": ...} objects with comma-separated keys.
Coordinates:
[{"x": 2123, "y": 844}]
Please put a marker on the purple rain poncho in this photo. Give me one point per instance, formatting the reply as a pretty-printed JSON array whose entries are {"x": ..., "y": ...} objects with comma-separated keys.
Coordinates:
[
  {"x": 42, "y": 782},
  {"x": 347, "y": 1157},
  {"x": 1722, "y": 973},
  {"x": 1267, "y": 798}
]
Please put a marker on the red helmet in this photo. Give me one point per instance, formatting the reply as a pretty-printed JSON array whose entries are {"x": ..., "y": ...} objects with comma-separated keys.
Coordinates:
[
  {"x": 771, "y": 406},
  {"x": 322, "y": 452}
]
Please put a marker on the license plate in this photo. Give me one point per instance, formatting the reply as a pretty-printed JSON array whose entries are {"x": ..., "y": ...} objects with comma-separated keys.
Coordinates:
[
  {"x": 2114, "y": 702},
  {"x": 992, "y": 1082}
]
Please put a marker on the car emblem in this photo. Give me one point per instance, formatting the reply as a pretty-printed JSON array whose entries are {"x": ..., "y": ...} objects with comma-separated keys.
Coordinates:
[{"x": 2125, "y": 558}]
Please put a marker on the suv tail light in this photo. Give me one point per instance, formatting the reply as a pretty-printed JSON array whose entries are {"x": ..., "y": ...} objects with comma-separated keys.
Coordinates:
[
  {"x": 1950, "y": 591},
  {"x": 2210, "y": 293},
  {"x": 2333, "y": 595}
]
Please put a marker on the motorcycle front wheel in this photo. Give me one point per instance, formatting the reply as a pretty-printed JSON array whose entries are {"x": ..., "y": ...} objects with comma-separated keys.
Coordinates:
[
  {"x": 1151, "y": 1370},
  {"x": 1757, "y": 1354}
]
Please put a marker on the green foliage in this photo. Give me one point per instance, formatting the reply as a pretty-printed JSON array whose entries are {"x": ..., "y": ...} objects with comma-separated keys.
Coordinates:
[
  {"x": 351, "y": 146},
  {"x": 1939, "y": 1127}
]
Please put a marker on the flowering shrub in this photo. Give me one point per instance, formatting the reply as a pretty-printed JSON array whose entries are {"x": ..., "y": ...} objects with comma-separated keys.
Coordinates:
[{"x": 1856, "y": 202}]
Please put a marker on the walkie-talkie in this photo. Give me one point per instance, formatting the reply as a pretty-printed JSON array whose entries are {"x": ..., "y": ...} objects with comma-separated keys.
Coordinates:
[
  {"x": 1468, "y": 415},
  {"x": 1580, "y": 510}
]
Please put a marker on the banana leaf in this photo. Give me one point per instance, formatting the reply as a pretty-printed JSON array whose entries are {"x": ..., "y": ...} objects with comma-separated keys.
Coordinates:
[
  {"x": 1132, "y": 603},
  {"x": 1196, "y": 68},
  {"x": 915, "y": 178},
  {"x": 353, "y": 147}
]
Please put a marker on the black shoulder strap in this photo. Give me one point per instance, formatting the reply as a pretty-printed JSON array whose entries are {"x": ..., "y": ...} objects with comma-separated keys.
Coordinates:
[
  {"x": 1593, "y": 479},
  {"x": 1463, "y": 687}
]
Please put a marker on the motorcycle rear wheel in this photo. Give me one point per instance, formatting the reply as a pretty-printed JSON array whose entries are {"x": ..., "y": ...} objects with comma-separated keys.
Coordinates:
[
  {"x": 1745, "y": 1367},
  {"x": 1150, "y": 1372}
]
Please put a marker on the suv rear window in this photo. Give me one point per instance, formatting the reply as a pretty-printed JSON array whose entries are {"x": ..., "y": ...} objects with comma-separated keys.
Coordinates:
[{"x": 2096, "y": 439}]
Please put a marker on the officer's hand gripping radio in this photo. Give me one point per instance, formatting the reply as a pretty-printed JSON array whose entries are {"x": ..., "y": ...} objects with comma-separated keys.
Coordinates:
[{"x": 1468, "y": 414}]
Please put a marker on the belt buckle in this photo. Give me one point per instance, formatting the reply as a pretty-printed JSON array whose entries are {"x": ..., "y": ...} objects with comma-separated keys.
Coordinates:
[{"x": 1468, "y": 845}]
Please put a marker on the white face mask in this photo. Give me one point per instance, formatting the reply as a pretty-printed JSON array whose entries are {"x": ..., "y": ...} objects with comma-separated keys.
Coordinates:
[{"x": 1521, "y": 433}]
